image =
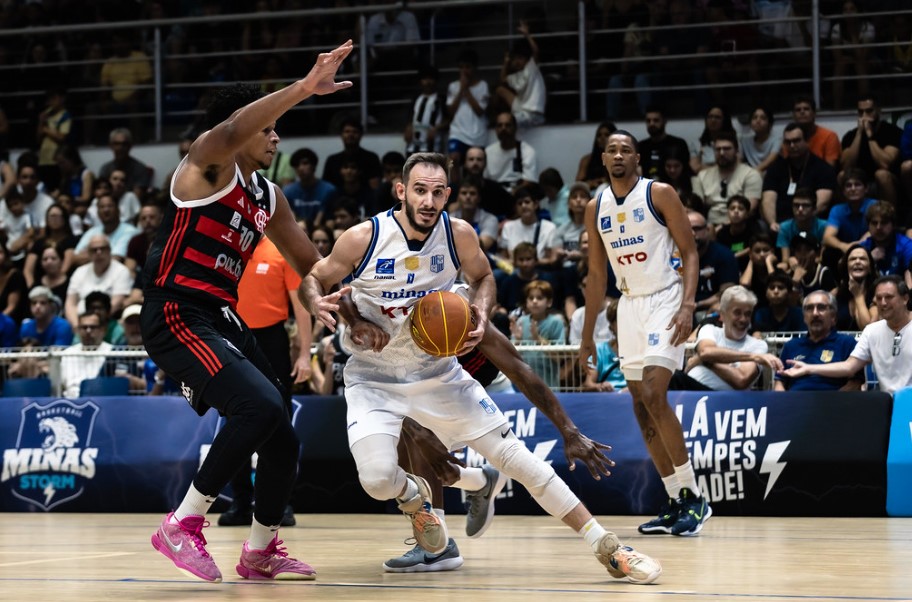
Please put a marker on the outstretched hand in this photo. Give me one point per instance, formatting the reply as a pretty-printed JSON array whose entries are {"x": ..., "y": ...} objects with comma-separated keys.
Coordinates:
[
  {"x": 323, "y": 73},
  {"x": 589, "y": 452}
]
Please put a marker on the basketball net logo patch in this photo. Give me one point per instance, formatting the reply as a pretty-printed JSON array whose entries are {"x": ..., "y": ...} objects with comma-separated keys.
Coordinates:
[{"x": 53, "y": 458}]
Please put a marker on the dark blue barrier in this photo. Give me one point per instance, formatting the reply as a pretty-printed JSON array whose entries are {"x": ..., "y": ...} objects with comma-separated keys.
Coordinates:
[{"x": 755, "y": 453}]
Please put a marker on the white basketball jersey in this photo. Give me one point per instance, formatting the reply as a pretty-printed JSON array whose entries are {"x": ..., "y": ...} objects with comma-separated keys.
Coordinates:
[
  {"x": 392, "y": 277},
  {"x": 638, "y": 243}
]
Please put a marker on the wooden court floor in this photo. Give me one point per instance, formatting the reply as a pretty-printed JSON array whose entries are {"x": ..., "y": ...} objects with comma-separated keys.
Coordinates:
[{"x": 82, "y": 557}]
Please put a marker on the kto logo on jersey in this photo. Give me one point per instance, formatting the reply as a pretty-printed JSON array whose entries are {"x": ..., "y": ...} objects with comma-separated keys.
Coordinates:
[
  {"x": 437, "y": 263},
  {"x": 53, "y": 458},
  {"x": 631, "y": 258}
]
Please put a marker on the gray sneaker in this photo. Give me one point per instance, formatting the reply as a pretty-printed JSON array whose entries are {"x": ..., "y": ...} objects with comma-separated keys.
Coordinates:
[
  {"x": 480, "y": 504},
  {"x": 419, "y": 560},
  {"x": 430, "y": 532}
]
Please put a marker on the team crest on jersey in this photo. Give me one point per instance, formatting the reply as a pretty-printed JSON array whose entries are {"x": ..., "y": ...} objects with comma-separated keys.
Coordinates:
[
  {"x": 411, "y": 263},
  {"x": 386, "y": 266},
  {"x": 826, "y": 356},
  {"x": 260, "y": 220},
  {"x": 606, "y": 224},
  {"x": 53, "y": 459},
  {"x": 639, "y": 215},
  {"x": 653, "y": 339},
  {"x": 236, "y": 220},
  {"x": 437, "y": 263}
]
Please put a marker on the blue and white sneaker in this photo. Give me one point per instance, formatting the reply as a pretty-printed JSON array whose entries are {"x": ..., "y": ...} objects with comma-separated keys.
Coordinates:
[
  {"x": 419, "y": 560},
  {"x": 662, "y": 524},
  {"x": 480, "y": 504},
  {"x": 693, "y": 514}
]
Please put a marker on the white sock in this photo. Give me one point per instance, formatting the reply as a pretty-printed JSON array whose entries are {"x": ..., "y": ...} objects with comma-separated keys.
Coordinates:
[
  {"x": 672, "y": 485},
  {"x": 687, "y": 478},
  {"x": 411, "y": 490},
  {"x": 261, "y": 535},
  {"x": 193, "y": 504},
  {"x": 470, "y": 479},
  {"x": 592, "y": 532}
]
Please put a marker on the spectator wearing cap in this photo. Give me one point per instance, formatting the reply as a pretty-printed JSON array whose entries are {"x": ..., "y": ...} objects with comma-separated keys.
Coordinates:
[
  {"x": 45, "y": 326},
  {"x": 805, "y": 266},
  {"x": 821, "y": 345},
  {"x": 891, "y": 250},
  {"x": 129, "y": 323},
  {"x": 803, "y": 220}
]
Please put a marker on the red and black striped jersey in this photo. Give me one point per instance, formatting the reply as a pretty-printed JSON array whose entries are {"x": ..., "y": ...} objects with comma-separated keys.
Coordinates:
[{"x": 203, "y": 245}]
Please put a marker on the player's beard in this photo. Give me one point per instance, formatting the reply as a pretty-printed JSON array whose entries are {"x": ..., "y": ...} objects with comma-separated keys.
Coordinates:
[{"x": 410, "y": 216}]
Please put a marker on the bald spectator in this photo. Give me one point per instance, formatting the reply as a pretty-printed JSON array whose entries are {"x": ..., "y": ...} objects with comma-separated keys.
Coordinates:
[
  {"x": 103, "y": 274},
  {"x": 138, "y": 174}
]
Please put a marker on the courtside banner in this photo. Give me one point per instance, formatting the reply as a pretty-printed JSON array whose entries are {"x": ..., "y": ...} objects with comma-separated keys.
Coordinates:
[
  {"x": 899, "y": 457},
  {"x": 105, "y": 454},
  {"x": 755, "y": 453}
]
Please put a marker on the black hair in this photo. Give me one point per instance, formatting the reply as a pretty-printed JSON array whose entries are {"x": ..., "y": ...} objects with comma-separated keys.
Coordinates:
[
  {"x": 225, "y": 101},
  {"x": 303, "y": 153}
]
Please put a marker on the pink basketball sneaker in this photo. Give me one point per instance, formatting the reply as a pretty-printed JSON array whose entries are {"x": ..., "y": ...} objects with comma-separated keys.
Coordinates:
[
  {"x": 273, "y": 563},
  {"x": 185, "y": 545}
]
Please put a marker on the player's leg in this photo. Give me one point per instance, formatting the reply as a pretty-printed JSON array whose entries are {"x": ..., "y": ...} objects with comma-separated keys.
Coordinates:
[
  {"x": 513, "y": 459},
  {"x": 419, "y": 560},
  {"x": 381, "y": 477},
  {"x": 661, "y": 359}
]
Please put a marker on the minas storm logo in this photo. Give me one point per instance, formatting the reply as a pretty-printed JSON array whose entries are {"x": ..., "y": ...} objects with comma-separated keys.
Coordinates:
[{"x": 53, "y": 458}]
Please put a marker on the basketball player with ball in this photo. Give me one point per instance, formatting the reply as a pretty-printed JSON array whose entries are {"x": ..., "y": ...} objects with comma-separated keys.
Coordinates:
[
  {"x": 636, "y": 223},
  {"x": 395, "y": 259}
]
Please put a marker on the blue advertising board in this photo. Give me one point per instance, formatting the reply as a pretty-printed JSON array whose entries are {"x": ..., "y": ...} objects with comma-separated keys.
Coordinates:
[{"x": 754, "y": 453}]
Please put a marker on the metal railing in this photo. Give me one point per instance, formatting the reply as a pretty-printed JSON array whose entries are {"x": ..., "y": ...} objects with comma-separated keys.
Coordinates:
[
  {"x": 185, "y": 70},
  {"x": 556, "y": 364}
]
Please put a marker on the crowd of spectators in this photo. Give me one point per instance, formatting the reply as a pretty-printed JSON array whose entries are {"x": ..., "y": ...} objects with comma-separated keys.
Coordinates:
[
  {"x": 780, "y": 218},
  {"x": 702, "y": 49}
]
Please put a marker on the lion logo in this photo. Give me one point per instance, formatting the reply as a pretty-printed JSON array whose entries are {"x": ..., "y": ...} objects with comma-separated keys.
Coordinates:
[{"x": 63, "y": 434}]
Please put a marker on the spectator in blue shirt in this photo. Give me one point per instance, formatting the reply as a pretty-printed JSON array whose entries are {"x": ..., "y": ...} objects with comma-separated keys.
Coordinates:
[
  {"x": 46, "y": 326},
  {"x": 309, "y": 196},
  {"x": 846, "y": 224},
  {"x": 718, "y": 266},
  {"x": 9, "y": 337},
  {"x": 892, "y": 251},
  {"x": 779, "y": 314},
  {"x": 821, "y": 345},
  {"x": 803, "y": 220}
]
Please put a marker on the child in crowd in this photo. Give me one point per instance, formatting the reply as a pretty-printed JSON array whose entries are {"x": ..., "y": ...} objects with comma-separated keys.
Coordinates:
[
  {"x": 539, "y": 326},
  {"x": 606, "y": 375},
  {"x": 780, "y": 314},
  {"x": 762, "y": 263},
  {"x": 736, "y": 234},
  {"x": 803, "y": 220},
  {"x": 18, "y": 227},
  {"x": 805, "y": 265},
  {"x": 510, "y": 294}
]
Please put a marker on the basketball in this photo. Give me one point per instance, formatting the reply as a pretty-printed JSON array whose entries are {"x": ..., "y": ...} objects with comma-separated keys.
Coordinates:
[{"x": 440, "y": 323}]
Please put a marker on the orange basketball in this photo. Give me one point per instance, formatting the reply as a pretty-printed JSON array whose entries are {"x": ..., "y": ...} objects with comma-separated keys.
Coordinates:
[{"x": 440, "y": 323}]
